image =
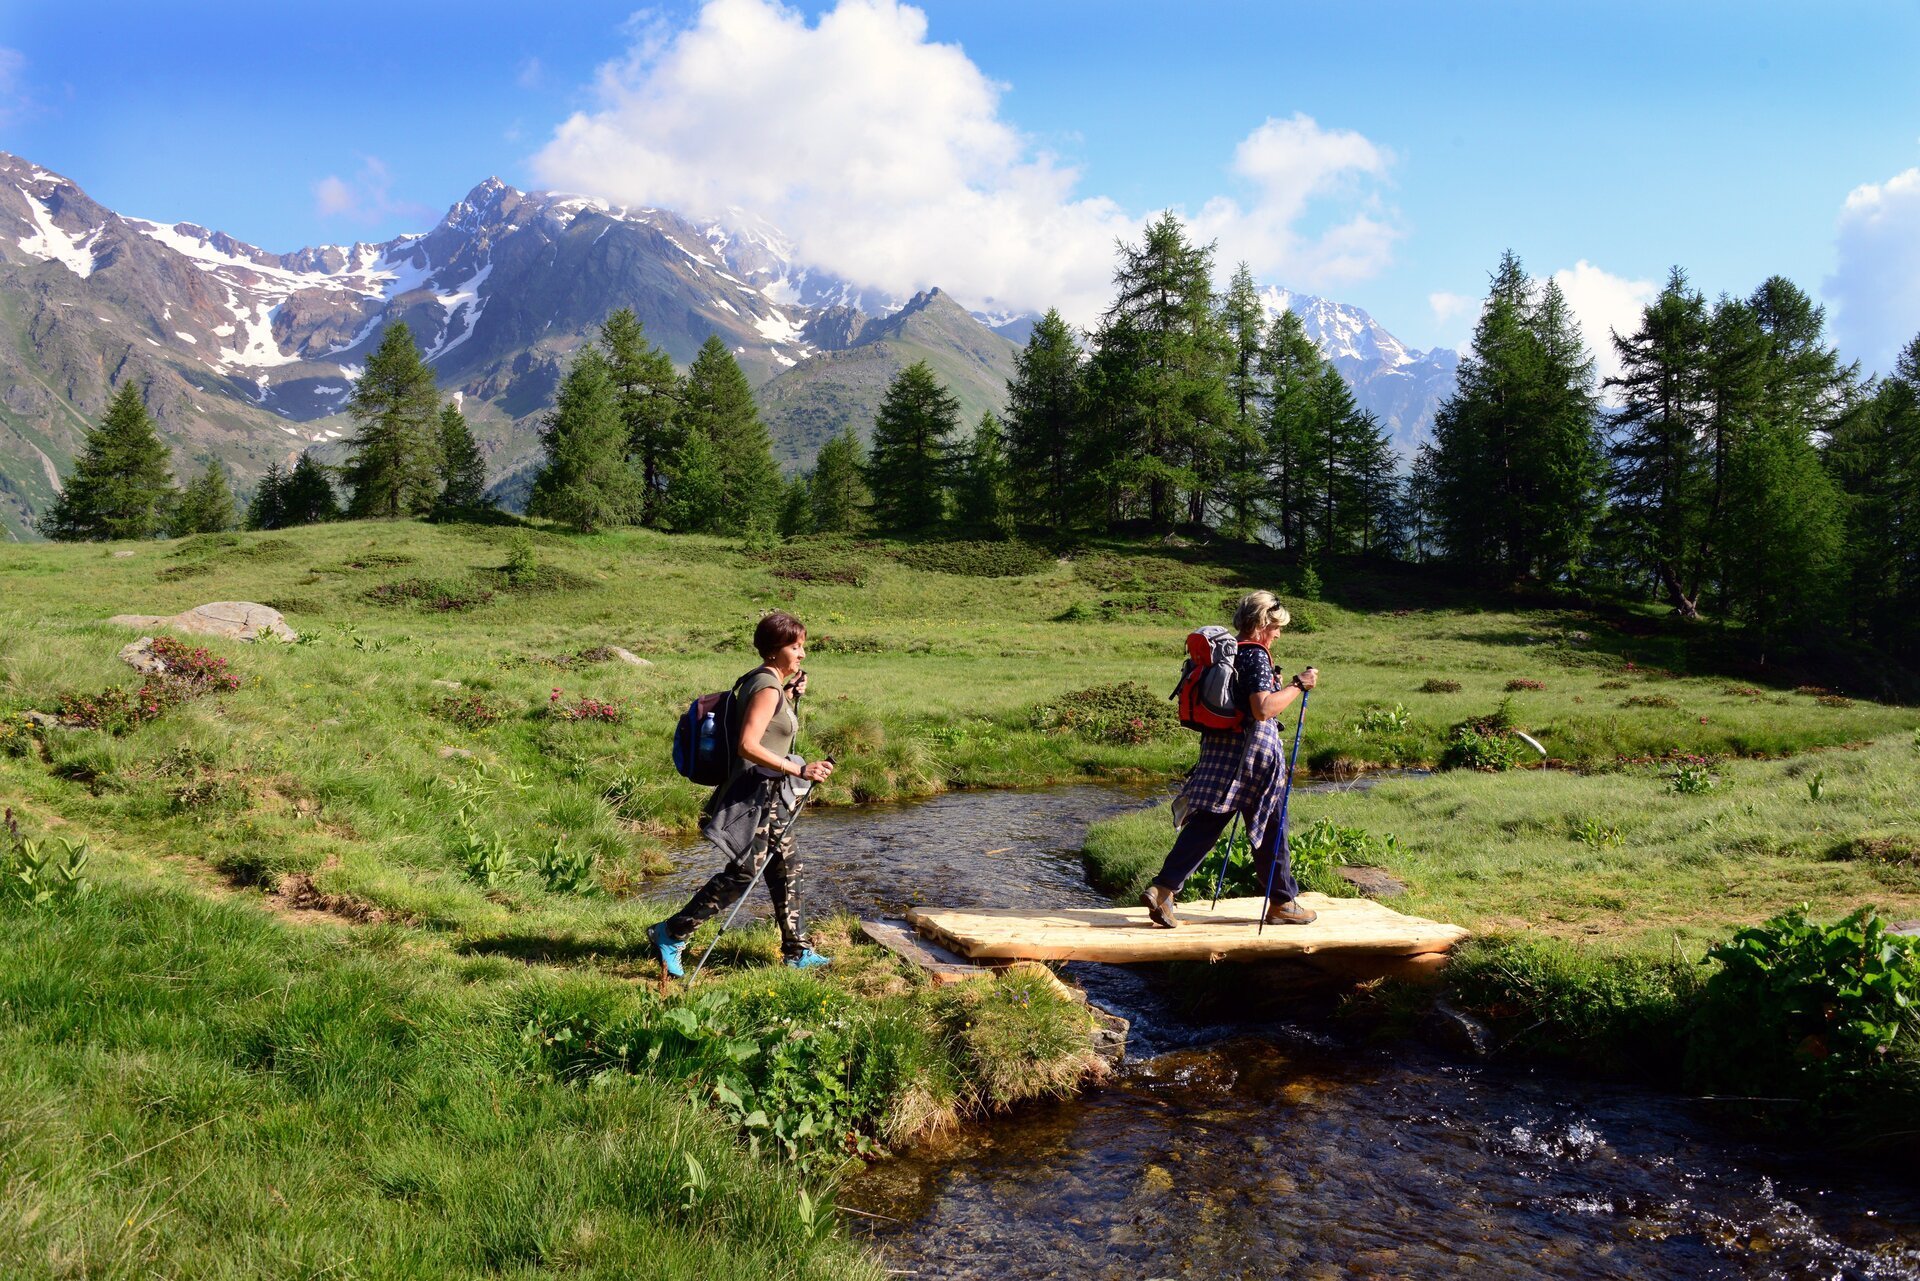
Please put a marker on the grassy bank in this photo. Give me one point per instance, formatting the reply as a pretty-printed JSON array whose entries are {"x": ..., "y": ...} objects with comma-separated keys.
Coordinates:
[
  {"x": 1597, "y": 898},
  {"x": 367, "y": 929}
]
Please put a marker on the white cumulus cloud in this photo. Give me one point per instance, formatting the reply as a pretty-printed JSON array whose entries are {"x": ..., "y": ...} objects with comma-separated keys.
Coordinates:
[
  {"x": 885, "y": 156},
  {"x": 1875, "y": 286},
  {"x": 366, "y": 198},
  {"x": 1604, "y": 304}
]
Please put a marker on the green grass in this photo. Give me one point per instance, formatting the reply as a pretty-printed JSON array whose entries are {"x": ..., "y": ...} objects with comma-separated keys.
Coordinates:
[{"x": 465, "y": 1087}]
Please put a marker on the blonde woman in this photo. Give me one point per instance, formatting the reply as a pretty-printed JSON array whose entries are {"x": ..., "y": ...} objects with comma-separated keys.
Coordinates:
[{"x": 1240, "y": 772}]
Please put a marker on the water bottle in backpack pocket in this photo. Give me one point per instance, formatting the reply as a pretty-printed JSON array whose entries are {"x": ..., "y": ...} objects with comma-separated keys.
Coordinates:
[
  {"x": 1205, "y": 695},
  {"x": 703, "y": 740}
]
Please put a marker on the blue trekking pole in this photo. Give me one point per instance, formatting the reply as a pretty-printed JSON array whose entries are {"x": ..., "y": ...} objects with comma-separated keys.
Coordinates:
[
  {"x": 1286, "y": 794},
  {"x": 1225, "y": 858}
]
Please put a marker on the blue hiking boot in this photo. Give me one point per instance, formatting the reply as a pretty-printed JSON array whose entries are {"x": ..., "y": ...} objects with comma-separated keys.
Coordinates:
[
  {"x": 808, "y": 960},
  {"x": 668, "y": 949}
]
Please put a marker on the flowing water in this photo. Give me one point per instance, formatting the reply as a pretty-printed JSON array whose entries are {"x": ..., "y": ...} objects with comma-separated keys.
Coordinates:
[{"x": 1241, "y": 1150}]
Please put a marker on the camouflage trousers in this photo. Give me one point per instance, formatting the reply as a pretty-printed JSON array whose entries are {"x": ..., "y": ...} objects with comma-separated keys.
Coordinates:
[{"x": 772, "y": 847}]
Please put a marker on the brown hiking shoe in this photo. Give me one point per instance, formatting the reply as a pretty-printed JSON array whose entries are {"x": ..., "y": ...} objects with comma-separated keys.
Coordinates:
[
  {"x": 1159, "y": 903},
  {"x": 1289, "y": 913}
]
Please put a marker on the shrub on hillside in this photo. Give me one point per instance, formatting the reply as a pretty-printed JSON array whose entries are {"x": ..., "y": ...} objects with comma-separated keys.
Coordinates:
[
  {"x": 1483, "y": 743},
  {"x": 1436, "y": 686},
  {"x": 827, "y": 563},
  {"x": 1660, "y": 701},
  {"x": 976, "y": 559},
  {"x": 1519, "y": 683},
  {"x": 1127, "y": 714},
  {"x": 191, "y": 672},
  {"x": 440, "y": 594},
  {"x": 1110, "y": 573},
  {"x": 468, "y": 711}
]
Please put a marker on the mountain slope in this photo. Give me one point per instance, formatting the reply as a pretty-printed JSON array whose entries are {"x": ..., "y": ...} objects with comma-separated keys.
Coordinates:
[{"x": 814, "y": 401}]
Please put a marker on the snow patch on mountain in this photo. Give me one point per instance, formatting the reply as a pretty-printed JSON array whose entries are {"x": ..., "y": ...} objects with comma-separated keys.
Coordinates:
[{"x": 52, "y": 243}]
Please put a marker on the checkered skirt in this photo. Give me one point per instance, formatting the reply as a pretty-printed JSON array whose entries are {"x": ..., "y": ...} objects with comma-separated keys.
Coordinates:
[{"x": 1240, "y": 772}]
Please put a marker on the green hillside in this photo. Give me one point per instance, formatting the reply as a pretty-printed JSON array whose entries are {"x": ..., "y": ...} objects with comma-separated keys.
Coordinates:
[{"x": 808, "y": 405}]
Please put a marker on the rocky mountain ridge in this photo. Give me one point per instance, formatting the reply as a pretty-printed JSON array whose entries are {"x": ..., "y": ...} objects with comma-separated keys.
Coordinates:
[{"x": 247, "y": 356}]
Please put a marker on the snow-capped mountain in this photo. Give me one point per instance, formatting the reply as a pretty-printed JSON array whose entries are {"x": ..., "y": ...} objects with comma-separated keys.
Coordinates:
[
  {"x": 1401, "y": 385},
  {"x": 248, "y": 356}
]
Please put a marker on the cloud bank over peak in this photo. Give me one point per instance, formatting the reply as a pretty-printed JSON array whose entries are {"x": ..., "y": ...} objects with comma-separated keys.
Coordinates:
[{"x": 884, "y": 155}]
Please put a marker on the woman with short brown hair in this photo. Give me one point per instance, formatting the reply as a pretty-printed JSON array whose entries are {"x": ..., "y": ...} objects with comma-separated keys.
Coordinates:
[{"x": 750, "y": 817}]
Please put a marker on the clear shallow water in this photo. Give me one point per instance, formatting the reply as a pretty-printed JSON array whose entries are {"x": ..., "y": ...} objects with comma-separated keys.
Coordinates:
[{"x": 1272, "y": 1149}]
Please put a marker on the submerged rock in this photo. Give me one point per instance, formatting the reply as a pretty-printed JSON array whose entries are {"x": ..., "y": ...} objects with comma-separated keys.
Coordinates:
[{"x": 1446, "y": 1027}]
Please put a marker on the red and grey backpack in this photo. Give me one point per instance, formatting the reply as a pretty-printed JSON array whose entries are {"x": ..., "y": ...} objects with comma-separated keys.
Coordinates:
[{"x": 1205, "y": 694}]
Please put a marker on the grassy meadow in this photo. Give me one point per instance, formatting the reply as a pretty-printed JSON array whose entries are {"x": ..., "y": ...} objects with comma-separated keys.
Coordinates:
[{"x": 362, "y": 987}]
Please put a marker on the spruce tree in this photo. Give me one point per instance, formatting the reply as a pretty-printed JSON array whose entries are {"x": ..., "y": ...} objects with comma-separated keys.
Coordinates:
[
  {"x": 649, "y": 392},
  {"x": 1875, "y": 457},
  {"x": 121, "y": 486},
  {"x": 307, "y": 497},
  {"x": 393, "y": 461},
  {"x": 205, "y": 505},
  {"x": 716, "y": 402},
  {"x": 585, "y": 481},
  {"x": 983, "y": 497},
  {"x": 838, "y": 487},
  {"x": 463, "y": 472},
  {"x": 1046, "y": 427},
  {"x": 267, "y": 508},
  {"x": 911, "y": 468},
  {"x": 1662, "y": 469},
  {"x": 1333, "y": 428}
]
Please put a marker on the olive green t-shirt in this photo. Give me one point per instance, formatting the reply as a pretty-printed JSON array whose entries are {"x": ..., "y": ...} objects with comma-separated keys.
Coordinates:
[{"x": 782, "y": 726}]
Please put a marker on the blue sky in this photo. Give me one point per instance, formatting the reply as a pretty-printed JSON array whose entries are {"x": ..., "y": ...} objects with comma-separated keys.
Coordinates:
[{"x": 1382, "y": 154}]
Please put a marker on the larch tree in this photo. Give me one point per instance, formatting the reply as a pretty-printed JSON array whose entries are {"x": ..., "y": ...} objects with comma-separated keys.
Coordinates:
[
  {"x": 585, "y": 481},
  {"x": 205, "y": 506},
  {"x": 910, "y": 469},
  {"x": 122, "y": 482},
  {"x": 983, "y": 501},
  {"x": 716, "y": 404},
  {"x": 463, "y": 472},
  {"x": 838, "y": 488},
  {"x": 393, "y": 458},
  {"x": 1046, "y": 424},
  {"x": 649, "y": 393},
  {"x": 307, "y": 497}
]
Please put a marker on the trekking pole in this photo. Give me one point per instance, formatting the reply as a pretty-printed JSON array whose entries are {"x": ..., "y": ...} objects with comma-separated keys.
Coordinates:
[
  {"x": 1286, "y": 794},
  {"x": 758, "y": 872},
  {"x": 1225, "y": 859}
]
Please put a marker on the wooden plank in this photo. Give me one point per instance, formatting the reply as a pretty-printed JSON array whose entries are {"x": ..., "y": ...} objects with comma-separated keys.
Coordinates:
[
  {"x": 941, "y": 965},
  {"x": 1347, "y": 928}
]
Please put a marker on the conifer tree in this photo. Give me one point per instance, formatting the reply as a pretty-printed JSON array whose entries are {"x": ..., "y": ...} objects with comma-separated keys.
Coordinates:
[
  {"x": 1517, "y": 462},
  {"x": 585, "y": 481},
  {"x": 1046, "y": 426},
  {"x": 393, "y": 461},
  {"x": 1176, "y": 414},
  {"x": 696, "y": 499},
  {"x": 1290, "y": 368},
  {"x": 306, "y": 496},
  {"x": 1875, "y": 457},
  {"x": 121, "y": 486},
  {"x": 982, "y": 498},
  {"x": 1242, "y": 485},
  {"x": 796, "y": 507},
  {"x": 716, "y": 402},
  {"x": 1333, "y": 428},
  {"x": 838, "y": 487},
  {"x": 649, "y": 391},
  {"x": 205, "y": 506},
  {"x": 267, "y": 508},
  {"x": 463, "y": 472},
  {"x": 910, "y": 469},
  {"x": 1375, "y": 509},
  {"x": 1661, "y": 466}
]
